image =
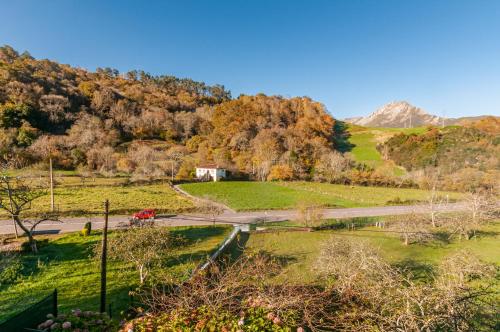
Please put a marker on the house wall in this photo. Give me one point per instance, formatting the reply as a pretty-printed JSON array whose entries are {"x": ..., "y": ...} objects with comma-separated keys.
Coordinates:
[{"x": 215, "y": 173}]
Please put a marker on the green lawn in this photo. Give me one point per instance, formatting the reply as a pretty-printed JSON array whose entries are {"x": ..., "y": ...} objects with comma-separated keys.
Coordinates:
[
  {"x": 243, "y": 196},
  {"x": 365, "y": 142},
  {"x": 299, "y": 249},
  {"x": 123, "y": 199},
  {"x": 65, "y": 263}
]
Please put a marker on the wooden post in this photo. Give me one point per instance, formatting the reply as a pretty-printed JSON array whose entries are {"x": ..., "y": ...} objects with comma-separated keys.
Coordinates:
[
  {"x": 104, "y": 256},
  {"x": 172, "y": 171},
  {"x": 52, "y": 204},
  {"x": 54, "y": 303}
]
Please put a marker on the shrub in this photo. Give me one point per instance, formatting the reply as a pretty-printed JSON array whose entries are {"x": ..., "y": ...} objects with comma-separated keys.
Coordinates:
[
  {"x": 87, "y": 228},
  {"x": 280, "y": 173},
  {"x": 204, "y": 319},
  {"x": 10, "y": 268},
  {"x": 79, "y": 321}
]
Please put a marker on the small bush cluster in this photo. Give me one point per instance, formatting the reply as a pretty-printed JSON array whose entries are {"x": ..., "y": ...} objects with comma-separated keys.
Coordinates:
[
  {"x": 87, "y": 228},
  {"x": 79, "y": 321},
  {"x": 10, "y": 268},
  {"x": 204, "y": 319}
]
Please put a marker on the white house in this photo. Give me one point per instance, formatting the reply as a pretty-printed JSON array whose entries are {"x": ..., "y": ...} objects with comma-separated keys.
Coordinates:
[{"x": 210, "y": 172}]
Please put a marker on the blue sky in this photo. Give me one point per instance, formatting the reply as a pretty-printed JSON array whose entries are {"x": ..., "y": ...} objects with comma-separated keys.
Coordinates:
[{"x": 352, "y": 55}]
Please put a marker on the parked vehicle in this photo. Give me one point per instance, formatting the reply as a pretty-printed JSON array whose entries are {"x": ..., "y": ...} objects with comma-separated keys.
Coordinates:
[{"x": 143, "y": 217}]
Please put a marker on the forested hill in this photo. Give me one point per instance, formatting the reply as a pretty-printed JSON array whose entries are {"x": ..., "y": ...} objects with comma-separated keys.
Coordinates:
[
  {"x": 109, "y": 122},
  {"x": 462, "y": 156}
]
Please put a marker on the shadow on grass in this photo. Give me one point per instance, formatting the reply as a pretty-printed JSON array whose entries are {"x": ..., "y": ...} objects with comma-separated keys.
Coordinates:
[
  {"x": 53, "y": 253},
  {"x": 419, "y": 271},
  {"x": 193, "y": 234}
]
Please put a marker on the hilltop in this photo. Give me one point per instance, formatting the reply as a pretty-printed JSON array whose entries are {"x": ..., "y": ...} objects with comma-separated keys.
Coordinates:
[{"x": 402, "y": 114}]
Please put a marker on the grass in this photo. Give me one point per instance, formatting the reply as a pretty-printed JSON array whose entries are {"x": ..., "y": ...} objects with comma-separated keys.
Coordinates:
[
  {"x": 245, "y": 196},
  {"x": 365, "y": 142},
  {"x": 123, "y": 199},
  {"x": 65, "y": 263},
  {"x": 300, "y": 249}
]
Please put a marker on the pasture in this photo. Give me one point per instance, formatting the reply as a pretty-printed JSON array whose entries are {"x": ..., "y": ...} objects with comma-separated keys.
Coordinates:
[
  {"x": 365, "y": 140},
  {"x": 245, "y": 196},
  {"x": 66, "y": 263},
  {"x": 84, "y": 199},
  {"x": 299, "y": 250}
]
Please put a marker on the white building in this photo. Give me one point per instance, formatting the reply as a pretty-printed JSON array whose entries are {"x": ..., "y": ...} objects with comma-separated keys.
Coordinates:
[{"x": 210, "y": 172}]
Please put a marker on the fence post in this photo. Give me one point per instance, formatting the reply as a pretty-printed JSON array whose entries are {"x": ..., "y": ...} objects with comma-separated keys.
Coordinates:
[
  {"x": 54, "y": 303},
  {"x": 104, "y": 257}
]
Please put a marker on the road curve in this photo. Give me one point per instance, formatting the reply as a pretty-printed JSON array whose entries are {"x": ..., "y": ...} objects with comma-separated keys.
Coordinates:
[{"x": 73, "y": 224}]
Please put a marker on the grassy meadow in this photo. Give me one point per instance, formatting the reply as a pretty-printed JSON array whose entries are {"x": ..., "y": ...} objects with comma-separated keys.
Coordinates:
[
  {"x": 65, "y": 263},
  {"x": 245, "y": 196},
  {"x": 299, "y": 250},
  {"x": 79, "y": 200},
  {"x": 365, "y": 140}
]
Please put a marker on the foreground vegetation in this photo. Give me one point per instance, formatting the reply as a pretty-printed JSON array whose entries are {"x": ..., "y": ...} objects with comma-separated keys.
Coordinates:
[
  {"x": 287, "y": 195},
  {"x": 66, "y": 263},
  {"x": 341, "y": 281},
  {"x": 300, "y": 249}
]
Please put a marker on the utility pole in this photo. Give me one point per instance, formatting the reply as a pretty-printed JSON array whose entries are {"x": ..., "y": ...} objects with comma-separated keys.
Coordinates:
[
  {"x": 12, "y": 209},
  {"x": 104, "y": 256},
  {"x": 172, "y": 171},
  {"x": 52, "y": 205}
]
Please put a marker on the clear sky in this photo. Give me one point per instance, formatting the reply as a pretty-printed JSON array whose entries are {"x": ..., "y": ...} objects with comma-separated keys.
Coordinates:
[{"x": 352, "y": 55}]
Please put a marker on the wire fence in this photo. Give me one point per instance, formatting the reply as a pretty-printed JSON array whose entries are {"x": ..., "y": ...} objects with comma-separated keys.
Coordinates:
[{"x": 30, "y": 317}]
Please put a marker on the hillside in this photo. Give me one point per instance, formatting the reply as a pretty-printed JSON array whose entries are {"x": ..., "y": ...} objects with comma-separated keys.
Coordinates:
[
  {"x": 462, "y": 157},
  {"x": 145, "y": 125},
  {"x": 365, "y": 141}
]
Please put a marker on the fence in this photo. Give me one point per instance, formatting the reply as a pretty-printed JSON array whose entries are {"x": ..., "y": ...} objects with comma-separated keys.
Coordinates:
[
  {"x": 32, "y": 316},
  {"x": 230, "y": 245}
]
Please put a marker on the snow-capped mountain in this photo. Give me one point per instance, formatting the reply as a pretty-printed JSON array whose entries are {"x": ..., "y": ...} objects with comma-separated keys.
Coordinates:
[{"x": 398, "y": 114}]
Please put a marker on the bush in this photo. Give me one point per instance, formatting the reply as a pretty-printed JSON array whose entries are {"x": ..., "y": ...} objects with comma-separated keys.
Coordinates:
[
  {"x": 87, "y": 228},
  {"x": 204, "y": 319},
  {"x": 79, "y": 321},
  {"x": 10, "y": 268}
]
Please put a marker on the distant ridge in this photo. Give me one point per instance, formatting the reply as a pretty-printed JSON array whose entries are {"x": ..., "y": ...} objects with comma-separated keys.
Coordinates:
[{"x": 402, "y": 114}]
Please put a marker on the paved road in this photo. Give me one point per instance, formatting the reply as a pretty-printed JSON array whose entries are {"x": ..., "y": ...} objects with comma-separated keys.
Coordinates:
[{"x": 72, "y": 224}]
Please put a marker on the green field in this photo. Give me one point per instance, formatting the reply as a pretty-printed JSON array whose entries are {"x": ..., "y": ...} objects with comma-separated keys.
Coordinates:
[
  {"x": 79, "y": 200},
  {"x": 64, "y": 263},
  {"x": 244, "y": 196},
  {"x": 300, "y": 249},
  {"x": 365, "y": 142}
]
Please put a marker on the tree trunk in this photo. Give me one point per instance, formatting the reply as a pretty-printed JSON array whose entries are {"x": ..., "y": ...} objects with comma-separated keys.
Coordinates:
[
  {"x": 32, "y": 243},
  {"x": 141, "y": 274},
  {"x": 29, "y": 233}
]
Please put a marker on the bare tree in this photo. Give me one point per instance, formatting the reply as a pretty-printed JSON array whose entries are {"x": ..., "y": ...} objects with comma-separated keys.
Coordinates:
[
  {"x": 331, "y": 166},
  {"x": 16, "y": 198},
  {"x": 435, "y": 202},
  {"x": 481, "y": 207},
  {"x": 237, "y": 286},
  {"x": 309, "y": 214},
  {"x": 213, "y": 210},
  {"x": 461, "y": 297},
  {"x": 412, "y": 228},
  {"x": 143, "y": 246}
]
